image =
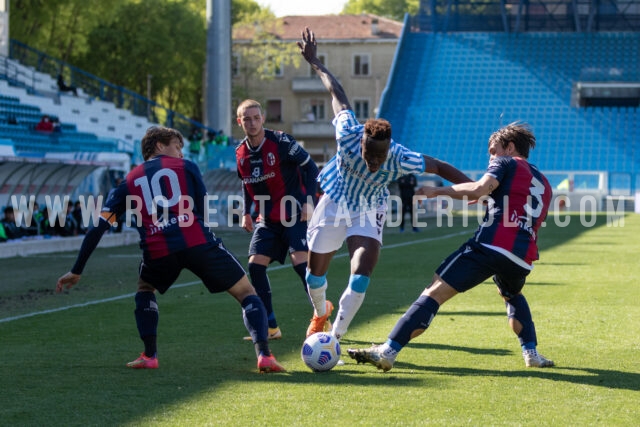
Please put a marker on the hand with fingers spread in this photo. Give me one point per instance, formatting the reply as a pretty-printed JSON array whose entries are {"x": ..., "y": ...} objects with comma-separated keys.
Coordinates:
[
  {"x": 308, "y": 46},
  {"x": 308, "y": 49}
]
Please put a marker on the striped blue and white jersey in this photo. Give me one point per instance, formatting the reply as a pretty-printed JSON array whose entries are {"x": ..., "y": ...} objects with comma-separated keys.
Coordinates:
[{"x": 346, "y": 179}]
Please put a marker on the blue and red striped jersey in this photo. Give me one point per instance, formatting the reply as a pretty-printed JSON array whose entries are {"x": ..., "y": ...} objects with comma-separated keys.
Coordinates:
[
  {"x": 516, "y": 209},
  {"x": 278, "y": 167},
  {"x": 166, "y": 196}
]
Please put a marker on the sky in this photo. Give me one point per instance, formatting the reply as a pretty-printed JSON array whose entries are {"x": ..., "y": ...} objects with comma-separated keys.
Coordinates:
[{"x": 303, "y": 7}]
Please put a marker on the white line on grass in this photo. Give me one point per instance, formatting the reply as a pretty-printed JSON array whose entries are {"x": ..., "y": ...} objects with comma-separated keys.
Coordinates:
[
  {"x": 195, "y": 282},
  {"x": 75, "y": 256}
]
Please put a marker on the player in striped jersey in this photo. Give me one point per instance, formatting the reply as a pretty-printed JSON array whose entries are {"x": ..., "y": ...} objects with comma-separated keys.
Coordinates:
[
  {"x": 167, "y": 195},
  {"x": 354, "y": 205},
  {"x": 504, "y": 247}
]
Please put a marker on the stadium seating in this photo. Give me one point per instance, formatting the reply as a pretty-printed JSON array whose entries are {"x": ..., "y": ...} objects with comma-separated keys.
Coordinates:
[
  {"x": 463, "y": 86},
  {"x": 88, "y": 124},
  {"x": 27, "y": 141}
]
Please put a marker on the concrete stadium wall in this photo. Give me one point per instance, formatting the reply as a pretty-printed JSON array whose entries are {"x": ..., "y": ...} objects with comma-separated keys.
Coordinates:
[{"x": 40, "y": 245}]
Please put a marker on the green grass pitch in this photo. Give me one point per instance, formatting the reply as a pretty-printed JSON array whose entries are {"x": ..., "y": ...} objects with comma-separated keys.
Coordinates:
[{"x": 62, "y": 356}]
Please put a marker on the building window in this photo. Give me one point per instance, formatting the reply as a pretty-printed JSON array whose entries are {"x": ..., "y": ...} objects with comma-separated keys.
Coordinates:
[
  {"x": 361, "y": 65},
  {"x": 323, "y": 58},
  {"x": 274, "y": 110},
  {"x": 317, "y": 109},
  {"x": 361, "y": 108},
  {"x": 273, "y": 68}
]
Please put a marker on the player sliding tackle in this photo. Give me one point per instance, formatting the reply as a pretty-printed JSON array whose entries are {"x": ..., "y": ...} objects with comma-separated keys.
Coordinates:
[
  {"x": 503, "y": 248},
  {"x": 354, "y": 182}
]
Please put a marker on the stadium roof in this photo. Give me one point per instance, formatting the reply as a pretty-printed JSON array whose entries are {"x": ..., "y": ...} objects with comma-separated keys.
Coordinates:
[{"x": 31, "y": 176}]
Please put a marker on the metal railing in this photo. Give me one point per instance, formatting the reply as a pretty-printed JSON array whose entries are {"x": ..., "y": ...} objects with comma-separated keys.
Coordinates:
[{"x": 95, "y": 87}]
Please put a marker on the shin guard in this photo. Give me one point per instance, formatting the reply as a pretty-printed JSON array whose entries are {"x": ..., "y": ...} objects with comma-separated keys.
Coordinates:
[
  {"x": 417, "y": 317},
  {"x": 147, "y": 315},
  {"x": 518, "y": 309},
  {"x": 255, "y": 320}
]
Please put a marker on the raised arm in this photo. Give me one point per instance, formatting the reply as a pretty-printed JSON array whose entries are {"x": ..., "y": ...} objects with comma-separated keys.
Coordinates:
[{"x": 308, "y": 49}]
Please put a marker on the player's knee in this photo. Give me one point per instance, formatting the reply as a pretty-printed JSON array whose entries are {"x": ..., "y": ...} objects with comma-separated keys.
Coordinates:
[
  {"x": 314, "y": 281},
  {"x": 256, "y": 269},
  {"x": 242, "y": 289},
  {"x": 508, "y": 290},
  {"x": 145, "y": 287},
  {"x": 260, "y": 259},
  {"x": 359, "y": 283}
]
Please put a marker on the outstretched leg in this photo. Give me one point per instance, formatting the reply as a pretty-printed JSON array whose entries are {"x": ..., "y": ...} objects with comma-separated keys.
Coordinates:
[
  {"x": 521, "y": 323},
  {"x": 412, "y": 324}
]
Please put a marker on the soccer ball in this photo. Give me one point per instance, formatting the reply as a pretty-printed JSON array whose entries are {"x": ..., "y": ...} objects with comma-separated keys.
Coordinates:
[{"x": 320, "y": 351}]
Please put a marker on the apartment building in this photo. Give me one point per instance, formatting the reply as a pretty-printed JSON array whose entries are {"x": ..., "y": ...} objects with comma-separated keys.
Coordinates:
[{"x": 358, "y": 49}]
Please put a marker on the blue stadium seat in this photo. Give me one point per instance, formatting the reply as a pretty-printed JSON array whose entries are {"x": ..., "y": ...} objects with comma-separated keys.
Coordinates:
[
  {"x": 27, "y": 142},
  {"x": 468, "y": 84}
]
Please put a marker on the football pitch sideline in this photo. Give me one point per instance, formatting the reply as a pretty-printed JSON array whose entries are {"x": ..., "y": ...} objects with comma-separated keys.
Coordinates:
[{"x": 62, "y": 356}]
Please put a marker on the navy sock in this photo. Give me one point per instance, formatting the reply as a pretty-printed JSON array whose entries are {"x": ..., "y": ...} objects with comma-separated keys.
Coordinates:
[
  {"x": 418, "y": 316},
  {"x": 301, "y": 270},
  {"x": 150, "y": 346},
  {"x": 255, "y": 320},
  {"x": 146, "y": 315},
  {"x": 260, "y": 282},
  {"x": 518, "y": 308}
]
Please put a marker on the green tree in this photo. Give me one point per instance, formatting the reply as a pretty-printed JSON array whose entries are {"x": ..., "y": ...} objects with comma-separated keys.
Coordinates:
[
  {"x": 260, "y": 50},
  {"x": 243, "y": 10},
  {"x": 393, "y": 9},
  {"x": 123, "y": 41},
  {"x": 142, "y": 39},
  {"x": 58, "y": 27}
]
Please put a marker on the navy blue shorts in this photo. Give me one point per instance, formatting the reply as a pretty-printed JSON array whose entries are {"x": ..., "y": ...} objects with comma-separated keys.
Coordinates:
[
  {"x": 218, "y": 269},
  {"x": 473, "y": 263},
  {"x": 275, "y": 240}
]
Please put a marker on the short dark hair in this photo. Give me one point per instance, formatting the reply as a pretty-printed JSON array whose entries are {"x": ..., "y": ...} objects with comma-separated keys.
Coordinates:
[
  {"x": 518, "y": 133},
  {"x": 157, "y": 134},
  {"x": 379, "y": 129}
]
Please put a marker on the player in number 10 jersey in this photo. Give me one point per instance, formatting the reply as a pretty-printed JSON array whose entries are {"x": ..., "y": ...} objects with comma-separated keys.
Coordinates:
[
  {"x": 176, "y": 221},
  {"x": 166, "y": 195}
]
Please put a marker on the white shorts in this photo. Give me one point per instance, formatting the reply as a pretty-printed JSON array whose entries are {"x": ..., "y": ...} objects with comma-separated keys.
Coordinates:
[{"x": 332, "y": 223}]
